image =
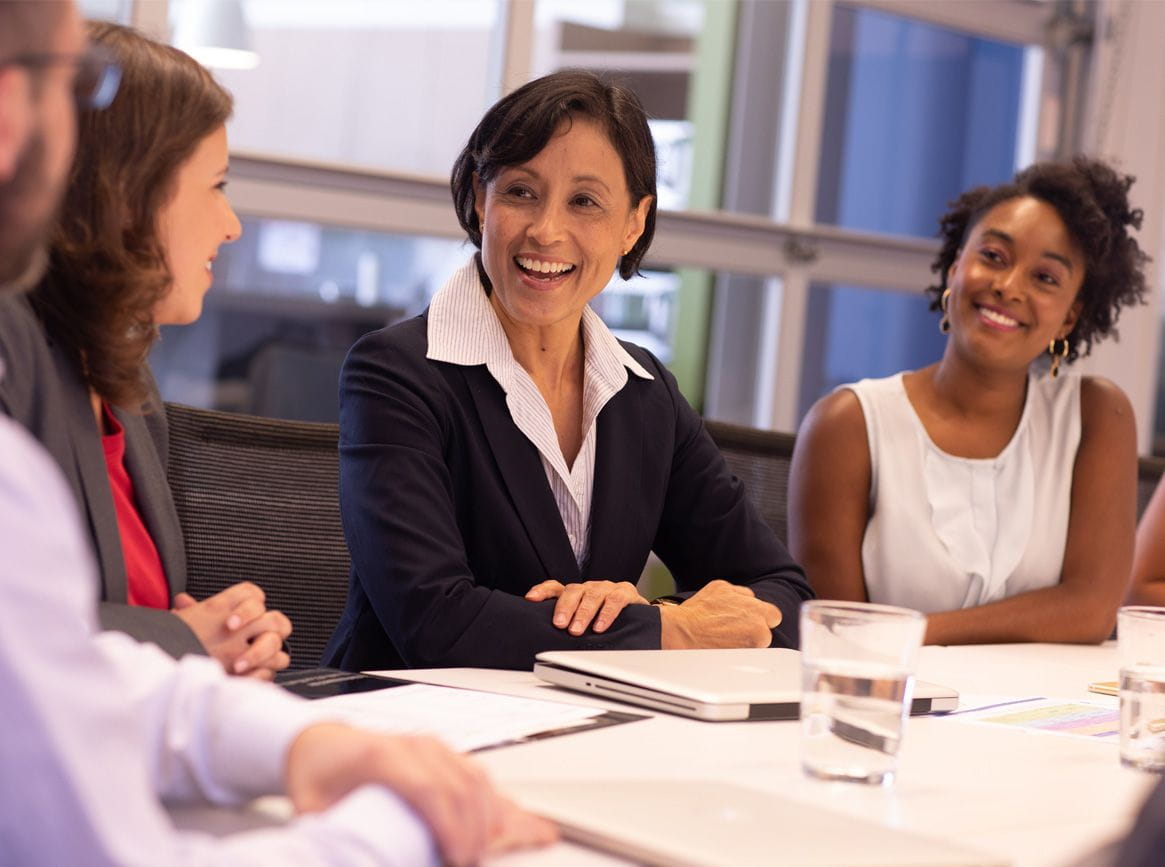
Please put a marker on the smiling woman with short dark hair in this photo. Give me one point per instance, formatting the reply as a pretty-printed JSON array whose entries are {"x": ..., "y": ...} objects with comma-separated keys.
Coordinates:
[{"x": 506, "y": 464}]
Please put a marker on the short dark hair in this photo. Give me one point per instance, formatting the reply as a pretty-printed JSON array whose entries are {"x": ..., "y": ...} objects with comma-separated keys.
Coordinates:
[
  {"x": 519, "y": 125},
  {"x": 108, "y": 267},
  {"x": 1092, "y": 199}
]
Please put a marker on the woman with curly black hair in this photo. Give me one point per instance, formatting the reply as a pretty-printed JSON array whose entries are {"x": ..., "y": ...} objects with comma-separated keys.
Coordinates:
[{"x": 993, "y": 490}]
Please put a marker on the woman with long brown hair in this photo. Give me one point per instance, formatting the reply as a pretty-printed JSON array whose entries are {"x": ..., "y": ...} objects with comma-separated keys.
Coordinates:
[{"x": 142, "y": 221}]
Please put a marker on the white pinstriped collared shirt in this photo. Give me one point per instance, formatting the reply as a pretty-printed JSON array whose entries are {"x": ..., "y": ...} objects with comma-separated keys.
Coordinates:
[{"x": 464, "y": 329}]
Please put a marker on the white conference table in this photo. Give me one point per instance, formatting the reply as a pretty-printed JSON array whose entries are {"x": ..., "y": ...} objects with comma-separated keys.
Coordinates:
[{"x": 1031, "y": 798}]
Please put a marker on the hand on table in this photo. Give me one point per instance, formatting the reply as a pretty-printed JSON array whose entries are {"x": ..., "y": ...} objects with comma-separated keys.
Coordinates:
[
  {"x": 719, "y": 615},
  {"x": 236, "y": 628},
  {"x": 451, "y": 793},
  {"x": 579, "y": 603}
]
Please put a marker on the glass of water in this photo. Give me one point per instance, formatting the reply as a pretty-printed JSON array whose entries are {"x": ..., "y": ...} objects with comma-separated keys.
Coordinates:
[
  {"x": 1141, "y": 645},
  {"x": 857, "y": 669}
]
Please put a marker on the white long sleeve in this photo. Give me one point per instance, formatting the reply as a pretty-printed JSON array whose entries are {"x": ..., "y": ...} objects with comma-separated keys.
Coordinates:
[{"x": 97, "y": 729}]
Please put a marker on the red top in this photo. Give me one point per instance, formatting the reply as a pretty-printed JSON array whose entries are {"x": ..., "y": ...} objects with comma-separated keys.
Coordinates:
[{"x": 145, "y": 579}]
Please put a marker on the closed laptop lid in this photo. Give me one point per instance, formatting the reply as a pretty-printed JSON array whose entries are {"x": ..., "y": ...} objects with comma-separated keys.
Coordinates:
[
  {"x": 738, "y": 676},
  {"x": 710, "y": 684},
  {"x": 713, "y": 824}
]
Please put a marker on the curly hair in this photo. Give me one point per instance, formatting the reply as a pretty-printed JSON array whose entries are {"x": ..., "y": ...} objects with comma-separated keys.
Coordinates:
[
  {"x": 519, "y": 125},
  {"x": 108, "y": 266},
  {"x": 1092, "y": 200}
]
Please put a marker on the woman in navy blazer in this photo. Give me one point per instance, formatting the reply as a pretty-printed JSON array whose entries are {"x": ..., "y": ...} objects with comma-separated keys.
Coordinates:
[{"x": 506, "y": 465}]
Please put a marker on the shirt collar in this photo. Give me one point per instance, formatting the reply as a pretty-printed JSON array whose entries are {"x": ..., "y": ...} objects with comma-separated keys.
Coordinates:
[{"x": 464, "y": 329}]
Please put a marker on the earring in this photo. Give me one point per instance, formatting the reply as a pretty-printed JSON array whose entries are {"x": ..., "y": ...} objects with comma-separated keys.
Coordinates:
[
  {"x": 1057, "y": 357},
  {"x": 944, "y": 324}
]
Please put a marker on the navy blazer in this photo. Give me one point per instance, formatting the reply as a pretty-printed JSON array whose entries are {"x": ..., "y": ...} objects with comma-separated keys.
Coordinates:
[
  {"x": 42, "y": 389},
  {"x": 450, "y": 520}
]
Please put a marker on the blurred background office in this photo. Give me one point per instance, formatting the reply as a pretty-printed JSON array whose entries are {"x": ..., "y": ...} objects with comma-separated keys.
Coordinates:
[{"x": 806, "y": 150}]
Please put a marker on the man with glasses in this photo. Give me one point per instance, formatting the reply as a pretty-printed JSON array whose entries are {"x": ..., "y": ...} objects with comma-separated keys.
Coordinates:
[
  {"x": 37, "y": 126},
  {"x": 97, "y": 728}
]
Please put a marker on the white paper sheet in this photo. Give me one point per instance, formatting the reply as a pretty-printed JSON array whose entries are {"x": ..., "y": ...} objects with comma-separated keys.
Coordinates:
[{"x": 465, "y": 719}]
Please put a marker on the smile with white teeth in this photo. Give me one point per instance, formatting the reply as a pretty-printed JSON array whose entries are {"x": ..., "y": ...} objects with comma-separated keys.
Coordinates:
[
  {"x": 998, "y": 318},
  {"x": 542, "y": 269}
]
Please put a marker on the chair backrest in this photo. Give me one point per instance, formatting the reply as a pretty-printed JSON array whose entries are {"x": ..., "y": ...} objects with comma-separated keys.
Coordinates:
[
  {"x": 760, "y": 459},
  {"x": 258, "y": 500}
]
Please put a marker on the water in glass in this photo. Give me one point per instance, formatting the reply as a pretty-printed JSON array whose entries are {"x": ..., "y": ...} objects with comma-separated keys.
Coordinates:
[
  {"x": 852, "y": 716},
  {"x": 1142, "y": 699}
]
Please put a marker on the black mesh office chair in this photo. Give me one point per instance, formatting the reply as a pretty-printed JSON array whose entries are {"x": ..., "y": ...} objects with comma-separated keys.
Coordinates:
[
  {"x": 258, "y": 500},
  {"x": 760, "y": 459}
]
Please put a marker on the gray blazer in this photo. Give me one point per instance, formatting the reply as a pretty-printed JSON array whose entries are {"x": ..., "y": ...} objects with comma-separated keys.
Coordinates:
[{"x": 42, "y": 389}]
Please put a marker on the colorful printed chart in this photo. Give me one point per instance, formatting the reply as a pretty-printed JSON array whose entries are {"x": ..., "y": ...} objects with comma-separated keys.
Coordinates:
[{"x": 1081, "y": 719}]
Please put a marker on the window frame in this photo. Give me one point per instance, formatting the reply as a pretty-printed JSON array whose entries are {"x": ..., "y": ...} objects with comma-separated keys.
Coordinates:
[{"x": 791, "y": 251}]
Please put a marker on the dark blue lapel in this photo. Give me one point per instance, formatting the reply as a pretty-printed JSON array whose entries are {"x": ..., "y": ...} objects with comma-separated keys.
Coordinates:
[
  {"x": 525, "y": 480},
  {"x": 619, "y": 459}
]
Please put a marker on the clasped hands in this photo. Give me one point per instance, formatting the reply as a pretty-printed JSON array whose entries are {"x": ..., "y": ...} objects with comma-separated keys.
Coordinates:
[
  {"x": 719, "y": 615},
  {"x": 236, "y": 628}
]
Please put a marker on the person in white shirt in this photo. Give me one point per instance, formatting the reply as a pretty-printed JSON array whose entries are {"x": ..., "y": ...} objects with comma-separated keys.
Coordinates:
[
  {"x": 991, "y": 490},
  {"x": 99, "y": 730}
]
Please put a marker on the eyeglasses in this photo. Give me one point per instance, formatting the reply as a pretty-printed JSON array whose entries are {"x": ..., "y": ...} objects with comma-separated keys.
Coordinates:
[{"x": 98, "y": 74}]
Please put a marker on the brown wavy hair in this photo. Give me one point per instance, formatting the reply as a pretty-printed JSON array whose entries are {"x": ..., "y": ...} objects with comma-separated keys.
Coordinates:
[{"x": 107, "y": 266}]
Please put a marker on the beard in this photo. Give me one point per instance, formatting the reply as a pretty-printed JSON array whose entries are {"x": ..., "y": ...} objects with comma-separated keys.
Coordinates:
[{"x": 23, "y": 243}]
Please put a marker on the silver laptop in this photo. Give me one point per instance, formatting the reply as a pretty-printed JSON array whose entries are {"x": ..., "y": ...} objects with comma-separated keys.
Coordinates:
[
  {"x": 758, "y": 684},
  {"x": 693, "y": 823}
]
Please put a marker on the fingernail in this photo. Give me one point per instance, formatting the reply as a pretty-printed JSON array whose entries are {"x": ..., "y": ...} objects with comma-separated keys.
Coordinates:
[
  {"x": 560, "y": 620},
  {"x": 241, "y": 665},
  {"x": 234, "y": 621},
  {"x": 576, "y": 629}
]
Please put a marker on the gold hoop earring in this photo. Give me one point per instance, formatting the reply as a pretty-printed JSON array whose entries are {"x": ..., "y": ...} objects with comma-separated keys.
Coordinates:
[
  {"x": 1057, "y": 357},
  {"x": 944, "y": 324}
]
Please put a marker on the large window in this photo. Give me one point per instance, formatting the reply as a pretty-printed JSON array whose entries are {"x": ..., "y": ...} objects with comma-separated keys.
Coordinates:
[
  {"x": 651, "y": 48},
  {"x": 884, "y": 119},
  {"x": 807, "y": 148},
  {"x": 290, "y": 298},
  {"x": 914, "y": 114},
  {"x": 864, "y": 333},
  {"x": 389, "y": 85}
]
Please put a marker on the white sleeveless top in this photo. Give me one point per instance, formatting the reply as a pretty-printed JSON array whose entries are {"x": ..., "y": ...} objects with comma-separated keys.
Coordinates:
[{"x": 947, "y": 532}]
